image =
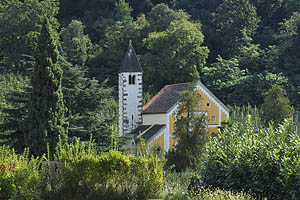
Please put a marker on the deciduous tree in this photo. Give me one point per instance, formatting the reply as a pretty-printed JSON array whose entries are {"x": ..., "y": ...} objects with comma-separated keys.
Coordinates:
[
  {"x": 174, "y": 55},
  {"x": 276, "y": 106},
  {"x": 233, "y": 17},
  {"x": 75, "y": 44},
  {"x": 20, "y": 23},
  {"x": 232, "y": 84}
]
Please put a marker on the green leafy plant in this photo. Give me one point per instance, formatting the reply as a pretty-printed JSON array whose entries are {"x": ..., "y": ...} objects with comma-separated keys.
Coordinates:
[
  {"x": 265, "y": 161},
  {"x": 20, "y": 175}
]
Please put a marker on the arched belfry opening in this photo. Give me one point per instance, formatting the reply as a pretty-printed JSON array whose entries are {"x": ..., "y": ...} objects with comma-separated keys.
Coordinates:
[{"x": 131, "y": 79}]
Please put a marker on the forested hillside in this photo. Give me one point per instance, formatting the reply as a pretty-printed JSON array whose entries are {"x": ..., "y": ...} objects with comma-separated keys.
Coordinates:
[
  {"x": 252, "y": 44},
  {"x": 238, "y": 48}
]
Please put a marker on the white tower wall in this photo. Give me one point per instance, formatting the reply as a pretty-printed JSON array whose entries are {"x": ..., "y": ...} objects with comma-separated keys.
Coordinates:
[{"x": 130, "y": 102}]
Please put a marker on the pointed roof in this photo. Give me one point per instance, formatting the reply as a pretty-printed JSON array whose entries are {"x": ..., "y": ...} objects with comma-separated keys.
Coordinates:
[{"x": 130, "y": 62}]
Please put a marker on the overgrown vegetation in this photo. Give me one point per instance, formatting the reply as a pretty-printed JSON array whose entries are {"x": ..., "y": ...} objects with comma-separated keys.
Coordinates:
[
  {"x": 79, "y": 172},
  {"x": 248, "y": 157},
  {"x": 178, "y": 187}
]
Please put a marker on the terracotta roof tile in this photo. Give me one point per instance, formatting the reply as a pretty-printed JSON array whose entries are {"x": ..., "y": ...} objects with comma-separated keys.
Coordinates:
[{"x": 164, "y": 99}]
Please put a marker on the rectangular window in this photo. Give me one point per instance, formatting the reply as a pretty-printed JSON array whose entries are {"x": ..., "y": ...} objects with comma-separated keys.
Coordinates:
[{"x": 213, "y": 118}]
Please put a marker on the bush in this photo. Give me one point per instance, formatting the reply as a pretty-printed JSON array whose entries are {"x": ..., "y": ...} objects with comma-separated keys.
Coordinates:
[
  {"x": 108, "y": 175},
  {"x": 97, "y": 176},
  {"x": 20, "y": 176},
  {"x": 79, "y": 172},
  {"x": 264, "y": 161},
  {"x": 148, "y": 175}
]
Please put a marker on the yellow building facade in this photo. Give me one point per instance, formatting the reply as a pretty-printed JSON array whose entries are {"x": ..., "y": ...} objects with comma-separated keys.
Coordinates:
[{"x": 161, "y": 111}]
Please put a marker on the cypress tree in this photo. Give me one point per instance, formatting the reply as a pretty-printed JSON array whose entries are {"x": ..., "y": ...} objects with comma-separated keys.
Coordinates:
[{"x": 46, "y": 119}]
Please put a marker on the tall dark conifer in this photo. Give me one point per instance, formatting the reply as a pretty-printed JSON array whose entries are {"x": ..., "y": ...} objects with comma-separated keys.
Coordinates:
[
  {"x": 15, "y": 92},
  {"x": 46, "y": 119},
  {"x": 91, "y": 106}
]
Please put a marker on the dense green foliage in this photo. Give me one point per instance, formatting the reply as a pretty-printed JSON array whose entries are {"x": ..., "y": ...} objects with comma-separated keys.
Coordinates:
[
  {"x": 14, "y": 111},
  {"x": 91, "y": 106},
  {"x": 175, "y": 54},
  {"x": 20, "y": 176},
  {"x": 75, "y": 44},
  {"x": 248, "y": 157},
  {"x": 20, "y": 23},
  {"x": 191, "y": 132},
  {"x": 233, "y": 18},
  {"x": 276, "y": 106},
  {"x": 261, "y": 36},
  {"x": 232, "y": 84},
  {"x": 46, "y": 113},
  {"x": 208, "y": 194},
  {"x": 79, "y": 172}
]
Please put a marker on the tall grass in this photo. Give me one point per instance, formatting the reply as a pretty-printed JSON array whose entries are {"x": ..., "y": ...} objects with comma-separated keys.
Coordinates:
[{"x": 177, "y": 188}]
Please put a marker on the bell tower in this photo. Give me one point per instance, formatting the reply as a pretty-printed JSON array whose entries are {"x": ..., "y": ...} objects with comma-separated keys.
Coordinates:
[{"x": 130, "y": 92}]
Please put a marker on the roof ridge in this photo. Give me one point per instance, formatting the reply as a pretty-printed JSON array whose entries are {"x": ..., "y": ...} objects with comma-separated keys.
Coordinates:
[{"x": 178, "y": 83}]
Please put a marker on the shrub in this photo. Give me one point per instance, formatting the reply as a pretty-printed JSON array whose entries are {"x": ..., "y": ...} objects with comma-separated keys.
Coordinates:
[
  {"x": 109, "y": 175},
  {"x": 148, "y": 175},
  {"x": 265, "y": 161},
  {"x": 20, "y": 176},
  {"x": 79, "y": 172}
]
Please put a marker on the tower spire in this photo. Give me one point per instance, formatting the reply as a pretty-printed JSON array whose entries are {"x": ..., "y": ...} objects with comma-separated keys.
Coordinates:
[{"x": 130, "y": 62}]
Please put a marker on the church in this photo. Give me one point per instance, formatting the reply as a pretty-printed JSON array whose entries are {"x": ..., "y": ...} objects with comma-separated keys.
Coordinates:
[{"x": 155, "y": 121}]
